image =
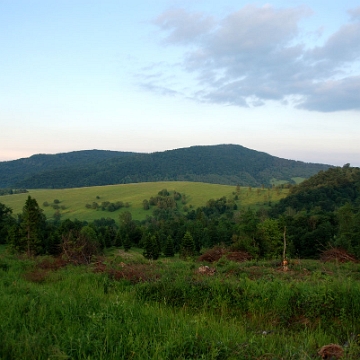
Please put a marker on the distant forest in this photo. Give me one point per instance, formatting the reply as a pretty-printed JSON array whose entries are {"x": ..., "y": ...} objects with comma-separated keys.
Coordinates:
[
  {"x": 321, "y": 212},
  {"x": 220, "y": 164}
]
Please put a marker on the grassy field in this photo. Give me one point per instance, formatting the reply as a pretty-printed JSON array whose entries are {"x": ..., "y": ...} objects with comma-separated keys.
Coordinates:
[
  {"x": 125, "y": 307},
  {"x": 73, "y": 201}
]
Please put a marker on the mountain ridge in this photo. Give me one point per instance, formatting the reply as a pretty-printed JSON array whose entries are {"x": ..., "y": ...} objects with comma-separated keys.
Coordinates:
[{"x": 223, "y": 164}]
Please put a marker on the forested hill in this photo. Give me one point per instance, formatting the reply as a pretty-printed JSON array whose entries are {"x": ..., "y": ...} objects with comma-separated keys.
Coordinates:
[
  {"x": 221, "y": 164},
  {"x": 13, "y": 172},
  {"x": 326, "y": 191}
]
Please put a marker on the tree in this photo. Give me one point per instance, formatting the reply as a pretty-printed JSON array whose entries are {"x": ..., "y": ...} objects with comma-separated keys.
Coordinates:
[
  {"x": 118, "y": 240},
  {"x": 151, "y": 247},
  {"x": 270, "y": 238},
  {"x": 57, "y": 216},
  {"x": 169, "y": 247},
  {"x": 347, "y": 236},
  {"x": 187, "y": 245},
  {"x": 5, "y": 222},
  {"x": 127, "y": 243},
  {"x": 31, "y": 231},
  {"x": 128, "y": 228},
  {"x": 80, "y": 246},
  {"x": 146, "y": 205}
]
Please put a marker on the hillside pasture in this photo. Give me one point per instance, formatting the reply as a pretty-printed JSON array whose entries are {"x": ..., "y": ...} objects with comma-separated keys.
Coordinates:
[{"x": 72, "y": 202}]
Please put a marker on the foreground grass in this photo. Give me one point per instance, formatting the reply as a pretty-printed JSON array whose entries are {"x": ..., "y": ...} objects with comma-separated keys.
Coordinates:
[
  {"x": 246, "y": 311},
  {"x": 73, "y": 201}
]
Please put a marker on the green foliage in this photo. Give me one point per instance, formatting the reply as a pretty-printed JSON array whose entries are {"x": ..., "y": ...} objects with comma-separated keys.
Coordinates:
[
  {"x": 270, "y": 238},
  {"x": 187, "y": 246},
  {"x": 169, "y": 247},
  {"x": 75, "y": 313},
  {"x": 151, "y": 247},
  {"x": 348, "y": 236},
  {"x": 5, "y": 222},
  {"x": 12, "y": 191},
  {"x": 74, "y": 199},
  {"x": 221, "y": 164},
  {"x": 327, "y": 190},
  {"x": 29, "y": 238},
  {"x": 163, "y": 193},
  {"x": 126, "y": 243},
  {"x": 146, "y": 205}
]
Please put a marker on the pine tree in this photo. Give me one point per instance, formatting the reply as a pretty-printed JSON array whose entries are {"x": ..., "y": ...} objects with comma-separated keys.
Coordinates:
[
  {"x": 156, "y": 247},
  {"x": 118, "y": 241},
  {"x": 32, "y": 225},
  {"x": 127, "y": 243},
  {"x": 151, "y": 247},
  {"x": 5, "y": 222},
  {"x": 146, "y": 242},
  {"x": 187, "y": 245},
  {"x": 169, "y": 247}
]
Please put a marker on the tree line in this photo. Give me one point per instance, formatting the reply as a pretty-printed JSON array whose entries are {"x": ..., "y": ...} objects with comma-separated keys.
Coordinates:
[
  {"x": 316, "y": 215},
  {"x": 220, "y": 164}
]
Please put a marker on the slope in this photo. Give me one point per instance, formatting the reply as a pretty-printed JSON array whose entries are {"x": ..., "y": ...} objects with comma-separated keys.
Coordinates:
[
  {"x": 221, "y": 164},
  {"x": 12, "y": 172}
]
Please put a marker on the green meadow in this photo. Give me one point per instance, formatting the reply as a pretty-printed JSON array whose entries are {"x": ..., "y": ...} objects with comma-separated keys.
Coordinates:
[
  {"x": 72, "y": 202},
  {"x": 123, "y": 306}
]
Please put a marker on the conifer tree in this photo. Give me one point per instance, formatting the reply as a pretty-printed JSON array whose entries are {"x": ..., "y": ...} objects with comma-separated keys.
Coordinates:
[
  {"x": 169, "y": 247},
  {"x": 31, "y": 232},
  {"x": 5, "y": 222},
  {"x": 151, "y": 247},
  {"x": 146, "y": 242},
  {"x": 118, "y": 241},
  {"x": 127, "y": 243},
  {"x": 187, "y": 245}
]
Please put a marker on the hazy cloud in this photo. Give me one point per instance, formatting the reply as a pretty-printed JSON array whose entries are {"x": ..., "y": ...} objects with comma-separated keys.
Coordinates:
[
  {"x": 255, "y": 54},
  {"x": 183, "y": 27},
  {"x": 150, "y": 86}
]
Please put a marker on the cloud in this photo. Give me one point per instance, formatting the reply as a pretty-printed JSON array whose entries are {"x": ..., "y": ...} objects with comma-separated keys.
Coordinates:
[
  {"x": 183, "y": 27},
  {"x": 255, "y": 54},
  {"x": 334, "y": 95},
  {"x": 153, "y": 87}
]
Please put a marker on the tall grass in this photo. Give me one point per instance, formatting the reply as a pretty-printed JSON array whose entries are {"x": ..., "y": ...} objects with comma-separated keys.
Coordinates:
[{"x": 74, "y": 313}]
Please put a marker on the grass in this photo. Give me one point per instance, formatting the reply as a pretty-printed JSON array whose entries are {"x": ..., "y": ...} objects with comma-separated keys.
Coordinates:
[
  {"x": 246, "y": 310},
  {"x": 74, "y": 200},
  {"x": 298, "y": 180}
]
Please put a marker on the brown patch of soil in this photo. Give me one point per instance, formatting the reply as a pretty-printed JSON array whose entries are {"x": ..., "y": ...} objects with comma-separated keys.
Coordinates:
[
  {"x": 213, "y": 254},
  {"x": 36, "y": 276},
  {"x": 331, "y": 351},
  {"x": 135, "y": 273},
  {"x": 339, "y": 255},
  {"x": 217, "y": 252},
  {"x": 238, "y": 256}
]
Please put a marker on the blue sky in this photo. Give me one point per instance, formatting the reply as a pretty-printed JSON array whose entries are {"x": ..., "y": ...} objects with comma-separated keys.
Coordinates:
[{"x": 281, "y": 77}]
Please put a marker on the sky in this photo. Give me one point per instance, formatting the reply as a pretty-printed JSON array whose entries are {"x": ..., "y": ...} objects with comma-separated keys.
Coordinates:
[{"x": 282, "y": 77}]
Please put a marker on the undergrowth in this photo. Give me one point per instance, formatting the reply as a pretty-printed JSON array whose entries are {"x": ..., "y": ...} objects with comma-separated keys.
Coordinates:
[{"x": 71, "y": 312}]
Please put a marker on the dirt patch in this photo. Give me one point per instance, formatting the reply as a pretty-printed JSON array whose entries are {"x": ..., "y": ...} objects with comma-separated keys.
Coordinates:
[
  {"x": 217, "y": 252},
  {"x": 43, "y": 268},
  {"x": 51, "y": 263},
  {"x": 238, "y": 256},
  {"x": 135, "y": 273},
  {"x": 213, "y": 254},
  {"x": 331, "y": 351},
  {"x": 36, "y": 276},
  {"x": 339, "y": 255},
  {"x": 206, "y": 270},
  {"x": 124, "y": 254}
]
